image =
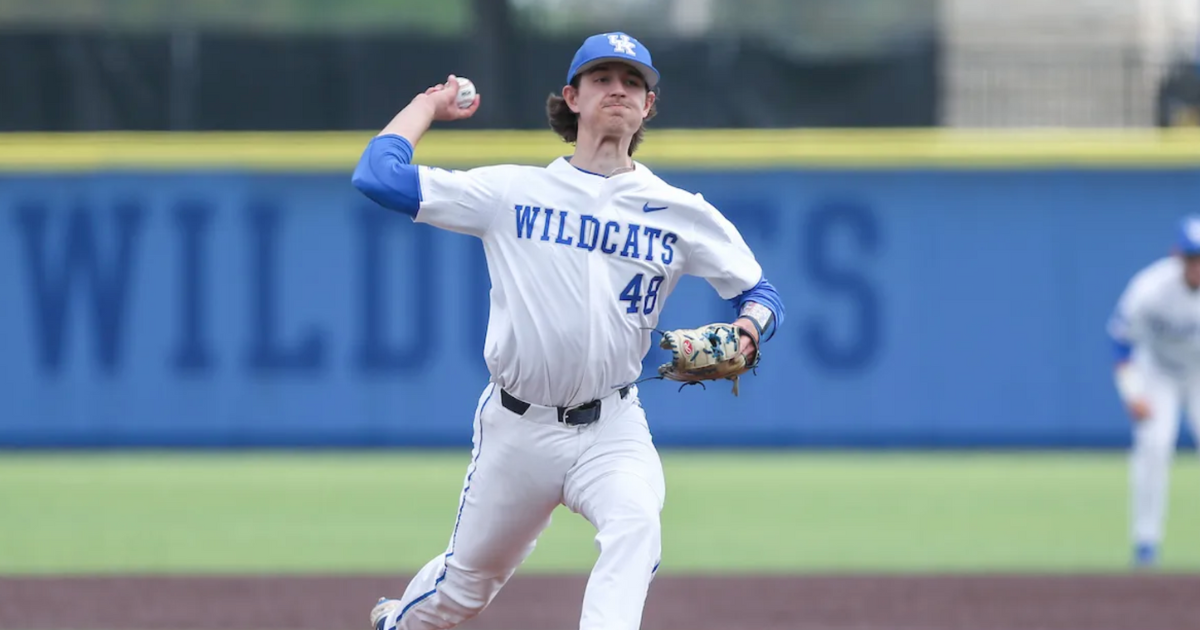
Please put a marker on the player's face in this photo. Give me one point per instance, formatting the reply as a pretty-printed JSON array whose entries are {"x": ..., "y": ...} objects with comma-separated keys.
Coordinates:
[
  {"x": 611, "y": 100},
  {"x": 1191, "y": 271}
]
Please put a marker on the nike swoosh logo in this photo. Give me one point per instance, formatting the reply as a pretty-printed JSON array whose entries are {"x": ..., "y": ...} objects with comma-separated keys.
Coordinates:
[{"x": 649, "y": 208}]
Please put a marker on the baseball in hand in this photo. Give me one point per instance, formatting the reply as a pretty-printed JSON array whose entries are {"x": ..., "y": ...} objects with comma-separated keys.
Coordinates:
[{"x": 466, "y": 93}]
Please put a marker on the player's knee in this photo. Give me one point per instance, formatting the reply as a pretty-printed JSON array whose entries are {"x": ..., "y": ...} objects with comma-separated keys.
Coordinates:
[
  {"x": 648, "y": 528},
  {"x": 642, "y": 523},
  {"x": 635, "y": 521},
  {"x": 1155, "y": 448}
]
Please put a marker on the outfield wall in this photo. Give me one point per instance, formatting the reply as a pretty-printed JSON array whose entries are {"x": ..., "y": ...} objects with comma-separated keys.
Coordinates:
[{"x": 942, "y": 290}]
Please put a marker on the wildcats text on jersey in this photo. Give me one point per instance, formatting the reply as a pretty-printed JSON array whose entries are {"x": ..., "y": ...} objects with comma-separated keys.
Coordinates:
[{"x": 587, "y": 232}]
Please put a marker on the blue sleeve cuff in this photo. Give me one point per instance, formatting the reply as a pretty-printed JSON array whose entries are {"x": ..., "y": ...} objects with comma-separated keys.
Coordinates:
[
  {"x": 1118, "y": 334},
  {"x": 386, "y": 176},
  {"x": 1122, "y": 351},
  {"x": 765, "y": 294}
]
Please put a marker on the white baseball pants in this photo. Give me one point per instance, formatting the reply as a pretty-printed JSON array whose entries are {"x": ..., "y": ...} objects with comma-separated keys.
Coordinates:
[
  {"x": 522, "y": 468},
  {"x": 1154, "y": 444}
]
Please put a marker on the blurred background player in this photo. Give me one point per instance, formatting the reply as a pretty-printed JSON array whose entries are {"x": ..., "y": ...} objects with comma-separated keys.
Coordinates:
[{"x": 1156, "y": 331}]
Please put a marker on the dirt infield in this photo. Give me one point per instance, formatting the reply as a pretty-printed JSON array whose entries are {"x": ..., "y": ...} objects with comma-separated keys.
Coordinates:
[{"x": 1125, "y": 602}]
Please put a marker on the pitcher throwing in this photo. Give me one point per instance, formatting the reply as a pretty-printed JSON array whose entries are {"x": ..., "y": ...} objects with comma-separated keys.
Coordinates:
[{"x": 583, "y": 255}]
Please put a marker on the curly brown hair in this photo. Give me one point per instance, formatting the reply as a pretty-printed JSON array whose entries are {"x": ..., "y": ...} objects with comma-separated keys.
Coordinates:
[{"x": 565, "y": 122}]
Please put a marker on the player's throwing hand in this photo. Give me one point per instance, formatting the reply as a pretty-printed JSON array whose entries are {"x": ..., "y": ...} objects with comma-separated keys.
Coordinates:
[{"x": 443, "y": 99}]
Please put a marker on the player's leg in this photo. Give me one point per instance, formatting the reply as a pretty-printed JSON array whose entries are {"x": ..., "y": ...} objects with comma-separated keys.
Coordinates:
[
  {"x": 513, "y": 484},
  {"x": 618, "y": 486},
  {"x": 1150, "y": 464},
  {"x": 1192, "y": 402}
]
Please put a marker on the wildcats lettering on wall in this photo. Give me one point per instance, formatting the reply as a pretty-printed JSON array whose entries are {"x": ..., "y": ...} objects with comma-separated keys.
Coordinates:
[
  {"x": 82, "y": 265},
  {"x": 277, "y": 309},
  {"x": 282, "y": 310}
]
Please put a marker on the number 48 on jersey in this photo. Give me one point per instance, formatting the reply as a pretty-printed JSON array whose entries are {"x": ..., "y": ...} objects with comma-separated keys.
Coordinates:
[{"x": 633, "y": 294}]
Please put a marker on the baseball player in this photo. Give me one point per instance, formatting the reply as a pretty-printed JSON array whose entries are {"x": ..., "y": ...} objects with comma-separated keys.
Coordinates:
[
  {"x": 1156, "y": 333},
  {"x": 583, "y": 255}
]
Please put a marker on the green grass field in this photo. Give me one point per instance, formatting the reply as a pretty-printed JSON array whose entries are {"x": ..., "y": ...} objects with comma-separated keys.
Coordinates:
[{"x": 749, "y": 512}]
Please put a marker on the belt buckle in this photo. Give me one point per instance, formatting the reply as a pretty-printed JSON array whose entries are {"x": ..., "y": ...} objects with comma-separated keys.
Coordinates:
[{"x": 587, "y": 414}]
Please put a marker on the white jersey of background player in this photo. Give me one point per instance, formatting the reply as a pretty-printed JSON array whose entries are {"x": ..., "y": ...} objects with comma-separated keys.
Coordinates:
[
  {"x": 582, "y": 255},
  {"x": 1156, "y": 331}
]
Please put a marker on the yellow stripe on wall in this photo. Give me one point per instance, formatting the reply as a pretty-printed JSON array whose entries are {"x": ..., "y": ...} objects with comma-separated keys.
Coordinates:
[{"x": 674, "y": 148}]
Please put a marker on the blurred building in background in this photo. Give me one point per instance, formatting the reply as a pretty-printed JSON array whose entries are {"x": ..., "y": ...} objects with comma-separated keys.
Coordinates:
[
  {"x": 1069, "y": 63},
  {"x": 347, "y": 64}
]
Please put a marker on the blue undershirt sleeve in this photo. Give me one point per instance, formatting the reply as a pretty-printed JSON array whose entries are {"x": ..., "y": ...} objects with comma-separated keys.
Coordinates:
[
  {"x": 765, "y": 294},
  {"x": 1119, "y": 335},
  {"x": 386, "y": 176}
]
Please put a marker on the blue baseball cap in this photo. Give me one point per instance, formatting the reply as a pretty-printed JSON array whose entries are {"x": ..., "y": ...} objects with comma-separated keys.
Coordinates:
[
  {"x": 1189, "y": 235},
  {"x": 620, "y": 47}
]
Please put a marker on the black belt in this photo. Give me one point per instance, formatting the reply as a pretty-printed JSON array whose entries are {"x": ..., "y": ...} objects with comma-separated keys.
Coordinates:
[{"x": 586, "y": 413}]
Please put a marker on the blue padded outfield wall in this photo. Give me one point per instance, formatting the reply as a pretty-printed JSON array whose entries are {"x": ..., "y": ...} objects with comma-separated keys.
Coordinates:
[{"x": 926, "y": 307}]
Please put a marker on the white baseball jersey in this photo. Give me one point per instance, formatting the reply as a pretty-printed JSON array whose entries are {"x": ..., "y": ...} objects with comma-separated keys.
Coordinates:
[
  {"x": 581, "y": 267},
  {"x": 1159, "y": 315}
]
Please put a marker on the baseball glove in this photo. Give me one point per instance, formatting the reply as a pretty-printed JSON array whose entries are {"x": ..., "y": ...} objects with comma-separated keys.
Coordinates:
[{"x": 708, "y": 353}]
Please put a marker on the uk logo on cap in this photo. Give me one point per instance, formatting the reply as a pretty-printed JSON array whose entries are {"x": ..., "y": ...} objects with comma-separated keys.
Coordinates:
[
  {"x": 622, "y": 44},
  {"x": 618, "y": 46}
]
